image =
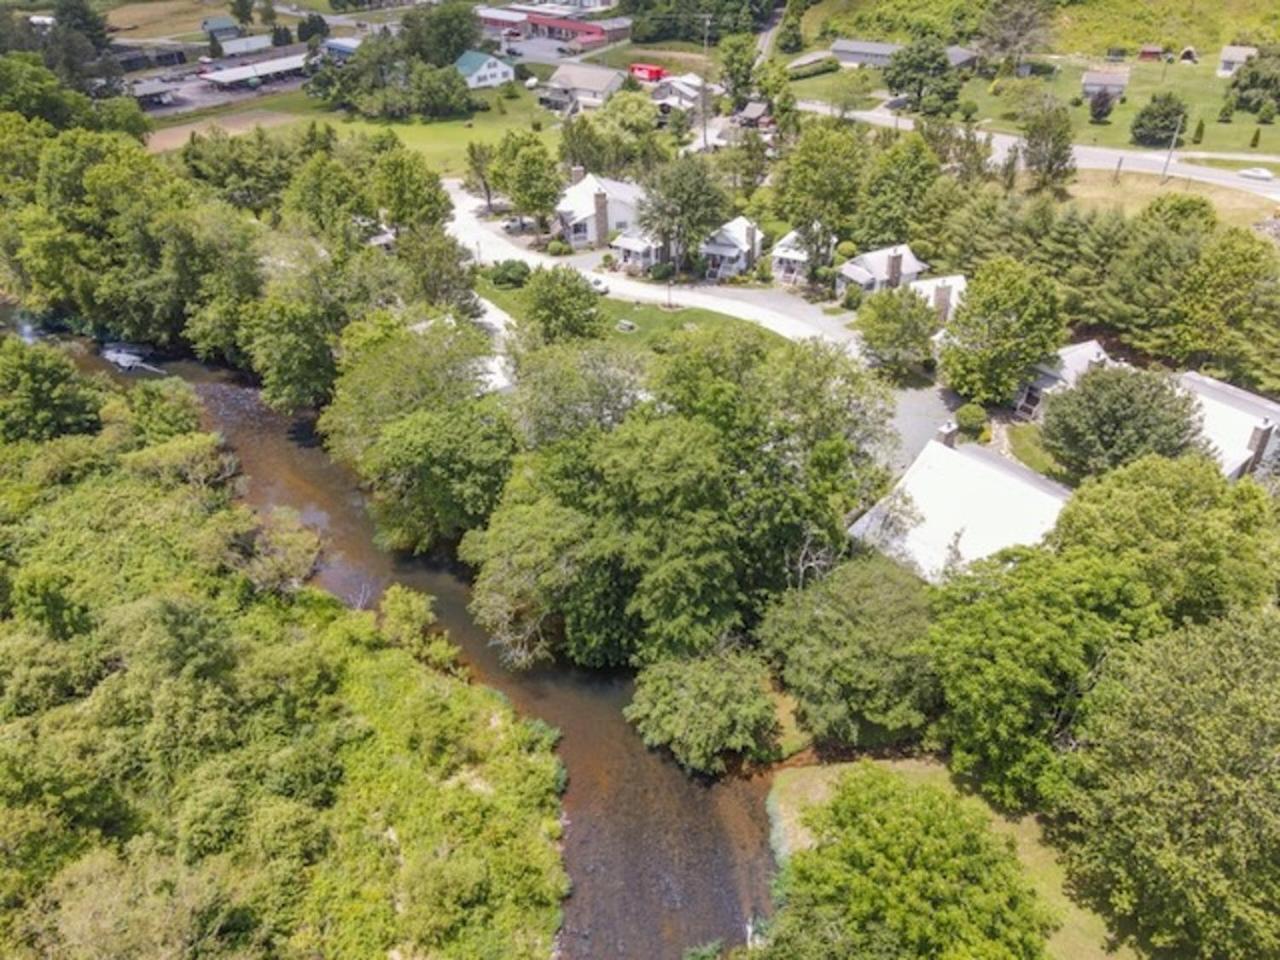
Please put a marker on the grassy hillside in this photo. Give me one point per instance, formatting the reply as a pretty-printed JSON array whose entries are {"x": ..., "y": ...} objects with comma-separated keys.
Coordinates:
[{"x": 1088, "y": 26}]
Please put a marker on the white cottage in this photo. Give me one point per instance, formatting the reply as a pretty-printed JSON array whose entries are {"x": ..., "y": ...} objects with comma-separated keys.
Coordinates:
[
  {"x": 733, "y": 248},
  {"x": 593, "y": 208},
  {"x": 882, "y": 269}
]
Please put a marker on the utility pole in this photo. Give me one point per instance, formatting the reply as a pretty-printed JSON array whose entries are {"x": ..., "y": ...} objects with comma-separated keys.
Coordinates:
[
  {"x": 1168, "y": 158},
  {"x": 706, "y": 70}
]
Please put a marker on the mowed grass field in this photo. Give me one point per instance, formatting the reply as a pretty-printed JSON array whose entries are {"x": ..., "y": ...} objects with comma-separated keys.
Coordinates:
[
  {"x": 1197, "y": 84},
  {"x": 443, "y": 142},
  {"x": 1082, "y": 935},
  {"x": 1098, "y": 190},
  {"x": 172, "y": 18},
  {"x": 674, "y": 56}
]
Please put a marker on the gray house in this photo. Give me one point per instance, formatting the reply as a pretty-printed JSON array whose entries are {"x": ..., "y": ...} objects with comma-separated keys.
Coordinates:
[
  {"x": 1233, "y": 58},
  {"x": 871, "y": 53},
  {"x": 220, "y": 28},
  {"x": 1111, "y": 82},
  {"x": 881, "y": 269}
]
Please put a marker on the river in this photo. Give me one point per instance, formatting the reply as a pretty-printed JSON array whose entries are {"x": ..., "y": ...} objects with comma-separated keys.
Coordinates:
[{"x": 659, "y": 862}]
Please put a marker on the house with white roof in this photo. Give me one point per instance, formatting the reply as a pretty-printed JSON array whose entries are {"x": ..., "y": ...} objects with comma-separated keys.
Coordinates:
[
  {"x": 483, "y": 70},
  {"x": 882, "y": 269},
  {"x": 944, "y": 294},
  {"x": 1061, "y": 372},
  {"x": 1240, "y": 427},
  {"x": 593, "y": 208},
  {"x": 790, "y": 259},
  {"x": 733, "y": 248},
  {"x": 684, "y": 93},
  {"x": 1233, "y": 57},
  {"x": 955, "y": 505},
  {"x": 636, "y": 251},
  {"x": 239, "y": 46},
  {"x": 1113, "y": 82}
]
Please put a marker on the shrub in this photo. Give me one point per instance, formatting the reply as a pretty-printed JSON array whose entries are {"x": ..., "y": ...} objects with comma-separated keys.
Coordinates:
[
  {"x": 706, "y": 708},
  {"x": 1257, "y": 135},
  {"x": 1228, "y": 110},
  {"x": 852, "y": 297},
  {"x": 846, "y": 249},
  {"x": 1100, "y": 106},
  {"x": 510, "y": 273},
  {"x": 558, "y": 248},
  {"x": 968, "y": 110},
  {"x": 608, "y": 262},
  {"x": 1155, "y": 124},
  {"x": 662, "y": 271},
  {"x": 971, "y": 418},
  {"x": 816, "y": 69},
  {"x": 1076, "y": 101},
  {"x": 535, "y": 125},
  {"x": 1199, "y": 134},
  {"x": 508, "y": 91},
  {"x": 1268, "y": 112}
]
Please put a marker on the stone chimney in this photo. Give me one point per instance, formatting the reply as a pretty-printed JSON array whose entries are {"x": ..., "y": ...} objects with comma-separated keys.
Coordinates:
[
  {"x": 751, "y": 244},
  {"x": 942, "y": 302},
  {"x": 602, "y": 219},
  {"x": 1259, "y": 440},
  {"x": 895, "y": 268},
  {"x": 947, "y": 434},
  {"x": 576, "y": 173}
]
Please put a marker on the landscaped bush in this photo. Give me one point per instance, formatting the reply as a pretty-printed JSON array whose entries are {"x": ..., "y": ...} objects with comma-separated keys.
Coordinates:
[
  {"x": 971, "y": 418},
  {"x": 558, "y": 248},
  {"x": 815, "y": 69},
  {"x": 847, "y": 249},
  {"x": 662, "y": 271},
  {"x": 852, "y": 297},
  {"x": 510, "y": 274}
]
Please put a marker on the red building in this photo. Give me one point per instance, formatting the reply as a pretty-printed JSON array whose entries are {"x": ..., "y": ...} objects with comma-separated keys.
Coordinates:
[
  {"x": 646, "y": 72},
  {"x": 561, "y": 28}
]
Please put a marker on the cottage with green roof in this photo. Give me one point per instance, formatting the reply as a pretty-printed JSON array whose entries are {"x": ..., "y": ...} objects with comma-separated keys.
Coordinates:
[{"x": 484, "y": 70}]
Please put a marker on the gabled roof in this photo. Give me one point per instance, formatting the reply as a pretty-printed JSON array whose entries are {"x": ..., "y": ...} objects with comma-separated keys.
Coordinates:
[
  {"x": 579, "y": 200},
  {"x": 586, "y": 76},
  {"x": 1238, "y": 54},
  {"x": 956, "y": 282},
  {"x": 1069, "y": 365},
  {"x": 960, "y": 504},
  {"x": 865, "y": 47},
  {"x": 1106, "y": 78},
  {"x": 732, "y": 237},
  {"x": 218, "y": 23},
  {"x": 960, "y": 55},
  {"x": 473, "y": 61},
  {"x": 790, "y": 248},
  {"x": 1230, "y": 416},
  {"x": 241, "y": 45},
  {"x": 874, "y": 264},
  {"x": 635, "y": 240},
  {"x": 755, "y": 110}
]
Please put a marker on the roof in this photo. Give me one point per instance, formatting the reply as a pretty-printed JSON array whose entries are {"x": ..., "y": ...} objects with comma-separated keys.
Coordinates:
[
  {"x": 755, "y": 110},
  {"x": 501, "y": 15},
  {"x": 579, "y": 200},
  {"x": 865, "y": 47},
  {"x": 231, "y": 48},
  {"x": 267, "y": 68},
  {"x": 635, "y": 240},
  {"x": 1237, "y": 54},
  {"x": 790, "y": 248},
  {"x": 149, "y": 88},
  {"x": 1106, "y": 78},
  {"x": 1229, "y": 418},
  {"x": 957, "y": 282},
  {"x": 1151, "y": 48},
  {"x": 874, "y": 264},
  {"x": 958, "y": 55},
  {"x": 567, "y": 24},
  {"x": 961, "y": 504},
  {"x": 218, "y": 23},
  {"x": 474, "y": 60},
  {"x": 345, "y": 44},
  {"x": 613, "y": 23},
  {"x": 586, "y": 76},
  {"x": 732, "y": 237},
  {"x": 1070, "y": 364}
]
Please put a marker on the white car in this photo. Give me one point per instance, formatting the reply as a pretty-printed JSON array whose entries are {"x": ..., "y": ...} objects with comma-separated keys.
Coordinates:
[
  {"x": 1257, "y": 173},
  {"x": 517, "y": 224},
  {"x": 599, "y": 286}
]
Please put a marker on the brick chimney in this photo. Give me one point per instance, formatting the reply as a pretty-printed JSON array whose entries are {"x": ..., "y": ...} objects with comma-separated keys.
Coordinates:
[
  {"x": 947, "y": 434},
  {"x": 602, "y": 218},
  {"x": 1259, "y": 440},
  {"x": 751, "y": 244},
  {"x": 942, "y": 302},
  {"x": 576, "y": 173},
  {"x": 895, "y": 268}
]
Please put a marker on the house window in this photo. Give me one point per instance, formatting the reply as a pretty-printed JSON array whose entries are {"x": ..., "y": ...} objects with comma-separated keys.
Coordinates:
[
  {"x": 580, "y": 229},
  {"x": 621, "y": 225}
]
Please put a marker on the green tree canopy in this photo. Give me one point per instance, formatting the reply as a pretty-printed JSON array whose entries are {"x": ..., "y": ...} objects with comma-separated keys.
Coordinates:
[
  {"x": 683, "y": 205},
  {"x": 41, "y": 394},
  {"x": 1163, "y": 117},
  {"x": 560, "y": 306},
  {"x": 897, "y": 328},
  {"x": 922, "y": 71}
]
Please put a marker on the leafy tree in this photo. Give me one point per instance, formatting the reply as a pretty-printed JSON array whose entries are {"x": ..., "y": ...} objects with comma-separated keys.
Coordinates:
[
  {"x": 790, "y": 35},
  {"x": 80, "y": 17},
  {"x": 705, "y": 709},
  {"x": 290, "y": 346},
  {"x": 897, "y": 328},
  {"x": 314, "y": 25},
  {"x": 480, "y": 157},
  {"x": 1201, "y": 544},
  {"x": 1159, "y": 120},
  {"x": 896, "y": 185},
  {"x": 531, "y": 180},
  {"x": 408, "y": 191},
  {"x": 164, "y": 409},
  {"x": 850, "y": 650},
  {"x": 438, "y": 35},
  {"x": 1012, "y": 29},
  {"x": 737, "y": 66},
  {"x": 332, "y": 200},
  {"x": 1047, "y": 149},
  {"x": 922, "y": 71},
  {"x": 574, "y": 387},
  {"x": 1171, "y": 807},
  {"x": 1008, "y": 321},
  {"x": 437, "y": 92},
  {"x": 41, "y": 395},
  {"x": 903, "y": 870},
  {"x": 1015, "y": 645},
  {"x": 242, "y": 11},
  {"x": 1116, "y": 415},
  {"x": 819, "y": 186},
  {"x": 1101, "y": 105},
  {"x": 582, "y": 144},
  {"x": 436, "y": 473},
  {"x": 683, "y": 205},
  {"x": 560, "y": 306},
  {"x": 745, "y": 166}
]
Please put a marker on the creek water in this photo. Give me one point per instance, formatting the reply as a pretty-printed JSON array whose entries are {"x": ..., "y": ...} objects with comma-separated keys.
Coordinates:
[{"x": 659, "y": 862}]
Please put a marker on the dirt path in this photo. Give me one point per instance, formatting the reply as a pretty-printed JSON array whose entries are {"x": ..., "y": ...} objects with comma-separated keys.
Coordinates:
[{"x": 171, "y": 138}]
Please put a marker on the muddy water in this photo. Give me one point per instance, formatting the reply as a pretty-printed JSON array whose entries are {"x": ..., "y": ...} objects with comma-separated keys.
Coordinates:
[{"x": 659, "y": 862}]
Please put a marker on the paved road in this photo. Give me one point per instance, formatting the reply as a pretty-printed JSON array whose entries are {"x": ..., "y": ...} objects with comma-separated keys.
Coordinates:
[
  {"x": 1088, "y": 158},
  {"x": 775, "y": 310}
]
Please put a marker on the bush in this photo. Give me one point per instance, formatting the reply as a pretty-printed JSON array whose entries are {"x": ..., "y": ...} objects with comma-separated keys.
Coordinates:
[
  {"x": 558, "y": 248},
  {"x": 662, "y": 271},
  {"x": 816, "y": 69},
  {"x": 1257, "y": 135},
  {"x": 510, "y": 274},
  {"x": 971, "y": 418},
  {"x": 1228, "y": 110},
  {"x": 968, "y": 110},
  {"x": 1076, "y": 101},
  {"x": 1199, "y": 134},
  {"x": 847, "y": 249},
  {"x": 705, "y": 709},
  {"x": 1268, "y": 112},
  {"x": 852, "y": 297},
  {"x": 535, "y": 126},
  {"x": 1155, "y": 124},
  {"x": 508, "y": 91}
]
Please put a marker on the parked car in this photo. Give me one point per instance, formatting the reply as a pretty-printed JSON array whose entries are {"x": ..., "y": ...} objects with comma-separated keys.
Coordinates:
[
  {"x": 514, "y": 52},
  {"x": 1257, "y": 173},
  {"x": 517, "y": 224},
  {"x": 599, "y": 286}
]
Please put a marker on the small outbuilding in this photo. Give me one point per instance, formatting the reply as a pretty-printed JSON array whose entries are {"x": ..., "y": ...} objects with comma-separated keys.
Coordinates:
[
  {"x": 220, "y": 28},
  {"x": 1113, "y": 82},
  {"x": 1233, "y": 58}
]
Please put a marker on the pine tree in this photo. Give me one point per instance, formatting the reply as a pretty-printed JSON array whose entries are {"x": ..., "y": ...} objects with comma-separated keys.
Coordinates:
[
  {"x": 1257, "y": 134},
  {"x": 1199, "y": 133}
]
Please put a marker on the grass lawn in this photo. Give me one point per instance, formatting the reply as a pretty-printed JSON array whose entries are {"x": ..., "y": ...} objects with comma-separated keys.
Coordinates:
[
  {"x": 443, "y": 142},
  {"x": 1083, "y": 934},
  {"x": 1196, "y": 84},
  {"x": 1026, "y": 443},
  {"x": 652, "y": 321},
  {"x": 1097, "y": 190},
  {"x": 826, "y": 87},
  {"x": 163, "y": 18},
  {"x": 674, "y": 56}
]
